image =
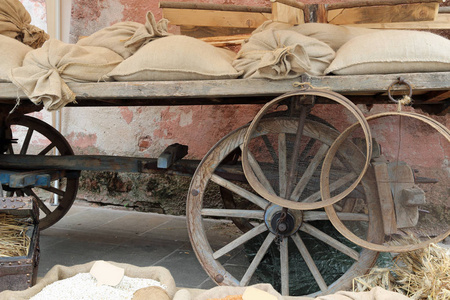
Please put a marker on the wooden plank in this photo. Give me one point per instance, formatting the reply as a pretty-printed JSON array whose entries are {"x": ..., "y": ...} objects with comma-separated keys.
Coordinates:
[
  {"x": 213, "y": 6},
  {"x": 385, "y": 196},
  {"x": 115, "y": 92},
  {"x": 439, "y": 96},
  {"x": 384, "y": 14},
  {"x": 361, "y": 3},
  {"x": 287, "y": 14},
  {"x": 214, "y": 18},
  {"x": 442, "y": 21},
  {"x": 202, "y": 31},
  {"x": 293, "y": 3}
]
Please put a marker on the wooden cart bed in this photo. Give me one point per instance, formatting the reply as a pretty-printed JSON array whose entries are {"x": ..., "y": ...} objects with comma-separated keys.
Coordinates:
[{"x": 428, "y": 88}]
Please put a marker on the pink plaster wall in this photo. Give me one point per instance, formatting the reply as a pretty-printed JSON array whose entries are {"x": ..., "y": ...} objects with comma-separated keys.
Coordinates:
[{"x": 147, "y": 131}]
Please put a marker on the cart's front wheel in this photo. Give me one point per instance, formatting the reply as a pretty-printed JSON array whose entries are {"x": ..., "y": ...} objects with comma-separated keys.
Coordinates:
[
  {"x": 280, "y": 241},
  {"x": 36, "y": 137}
]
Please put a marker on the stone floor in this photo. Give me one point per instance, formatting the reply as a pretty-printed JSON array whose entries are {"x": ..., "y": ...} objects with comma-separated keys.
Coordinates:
[{"x": 143, "y": 239}]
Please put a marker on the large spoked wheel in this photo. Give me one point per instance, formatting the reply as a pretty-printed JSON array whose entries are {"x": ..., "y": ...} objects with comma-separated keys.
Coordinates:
[
  {"x": 274, "y": 240},
  {"x": 38, "y": 138}
]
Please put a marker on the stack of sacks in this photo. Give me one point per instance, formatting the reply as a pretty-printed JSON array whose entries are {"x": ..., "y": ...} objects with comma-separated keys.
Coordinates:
[
  {"x": 125, "y": 38},
  {"x": 13, "y": 53},
  {"x": 45, "y": 71},
  {"x": 15, "y": 23}
]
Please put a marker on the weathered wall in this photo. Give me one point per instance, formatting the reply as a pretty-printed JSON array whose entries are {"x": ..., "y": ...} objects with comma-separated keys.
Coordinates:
[{"x": 146, "y": 131}]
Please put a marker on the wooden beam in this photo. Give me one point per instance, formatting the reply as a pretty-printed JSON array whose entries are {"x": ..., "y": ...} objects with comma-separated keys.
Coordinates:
[
  {"x": 215, "y": 18},
  {"x": 385, "y": 197},
  {"x": 287, "y": 14},
  {"x": 438, "y": 96},
  {"x": 292, "y": 3},
  {"x": 363, "y": 3},
  {"x": 384, "y": 14},
  {"x": 442, "y": 21},
  {"x": 212, "y": 6}
]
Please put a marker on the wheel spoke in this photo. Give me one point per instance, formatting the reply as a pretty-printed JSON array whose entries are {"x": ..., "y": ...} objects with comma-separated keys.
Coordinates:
[
  {"x": 240, "y": 240},
  {"x": 261, "y": 202},
  {"x": 40, "y": 203},
  {"x": 282, "y": 163},
  {"x": 312, "y": 215},
  {"x": 26, "y": 142},
  {"x": 309, "y": 262},
  {"x": 284, "y": 267},
  {"x": 270, "y": 149},
  {"x": 233, "y": 213},
  {"x": 257, "y": 259},
  {"x": 320, "y": 235},
  {"x": 53, "y": 190},
  {"x": 306, "y": 177},
  {"x": 259, "y": 173},
  {"x": 47, "y": 149},
  {"x": 334, "y": 186}
]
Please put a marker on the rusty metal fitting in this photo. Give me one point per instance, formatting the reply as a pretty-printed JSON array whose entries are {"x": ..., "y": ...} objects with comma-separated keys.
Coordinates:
[{"x": 400, "y": 81}]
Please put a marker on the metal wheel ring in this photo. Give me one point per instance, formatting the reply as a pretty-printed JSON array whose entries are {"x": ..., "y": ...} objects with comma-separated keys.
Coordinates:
[
  {"x": 264, "y": 192},
  {"x": 331, "y": 212}
]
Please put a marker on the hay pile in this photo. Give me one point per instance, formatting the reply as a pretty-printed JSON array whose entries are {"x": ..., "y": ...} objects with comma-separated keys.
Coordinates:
[
  {"x": 420, "y": 274},
  {"x": 13, "y": 232}
]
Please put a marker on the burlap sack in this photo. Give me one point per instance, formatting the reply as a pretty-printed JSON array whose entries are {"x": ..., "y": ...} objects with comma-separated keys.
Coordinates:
[
  {"x": 223, "y": 291},
  {"x": 269, "y": 24},
  {"x": 333, "y": 35},
  {"x": 282, "y": 54},
  {"x": 59, "y": 272},
  {"x": 125, "y": 38},
  {"x": 392, "y": 51},
  {"x": 15, "y": 23},
  {"x": 176, "y": 58},
  {"x": 151, "y": 31},
  {"x": 113, "y": 37},
  {"x": 44, "y": 71},
  {"x": 12, "y": 54}
]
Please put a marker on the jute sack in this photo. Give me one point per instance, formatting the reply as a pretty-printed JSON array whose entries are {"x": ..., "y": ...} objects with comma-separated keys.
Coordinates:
[
  {"x": 269, "y": 24},
  {"x": 282, "y": 54},
  {"x": 59, "y": 272},
  {"x": 12, "y": 54},
  {"x": 223, "y": 291},
  {"x": 44, "y": 71},
  {"x": 113, "y": 38},
  {"x": 152, "y": 30},
  {"x": 392, "y": 51},
  {"x": 15, "y": 23},
  {"x": 333, "y": 35},
  {"x": 176, "y": 58},
  {"x": 125, "y": 38}
]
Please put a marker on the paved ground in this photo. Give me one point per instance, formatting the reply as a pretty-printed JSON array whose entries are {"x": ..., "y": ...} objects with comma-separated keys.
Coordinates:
[{"x": 142, "y": 239}]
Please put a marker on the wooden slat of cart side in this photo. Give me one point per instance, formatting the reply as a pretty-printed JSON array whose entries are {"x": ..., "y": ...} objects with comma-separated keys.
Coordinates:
[{"x": 227, "y": 91}]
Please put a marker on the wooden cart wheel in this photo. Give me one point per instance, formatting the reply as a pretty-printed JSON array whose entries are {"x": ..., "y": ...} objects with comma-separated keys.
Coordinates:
[
  {"x": 380, "y": 246},
  {"x": 48, "y": 138},
  {"x": 268, "y": 223},
  {"x": 290, "y": 191}
]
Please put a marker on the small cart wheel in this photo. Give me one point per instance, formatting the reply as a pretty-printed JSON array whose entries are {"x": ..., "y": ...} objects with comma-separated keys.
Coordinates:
[
  {"x": 31, "y": 132},
  {"x": 239, "y": 256}
]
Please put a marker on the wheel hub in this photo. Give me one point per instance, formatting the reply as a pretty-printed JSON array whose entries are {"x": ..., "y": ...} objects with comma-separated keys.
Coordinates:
[{"x": 281, "y": 221}]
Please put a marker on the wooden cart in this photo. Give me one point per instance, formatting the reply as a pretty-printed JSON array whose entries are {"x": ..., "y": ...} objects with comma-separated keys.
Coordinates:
[{"x": 26, "y": 174}]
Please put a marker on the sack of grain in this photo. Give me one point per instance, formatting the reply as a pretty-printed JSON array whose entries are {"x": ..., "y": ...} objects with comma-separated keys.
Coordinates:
[
  {"x": 282, "y": 54},
  {"x": 176, "y": 57},
  {"x": 113, "y": 37},
  {"x": 333, "y": 35},
  {"x": 392, "y": 51},
  {"x": 58, "y": 272},
  {"x": 152, "y": 30},
  {"x": 12, "y": 54},
  {"x": 125, "y": 38},
  {"x": 269, "y": 24},
  {"x": 44, "y": 71},
  {"x": 15, "y": 23}
]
